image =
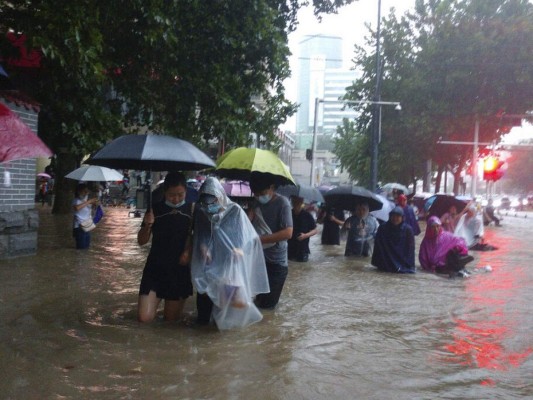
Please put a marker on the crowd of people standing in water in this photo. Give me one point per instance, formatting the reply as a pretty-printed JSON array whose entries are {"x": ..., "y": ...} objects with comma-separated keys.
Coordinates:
[{"x": 236, "y": 257}]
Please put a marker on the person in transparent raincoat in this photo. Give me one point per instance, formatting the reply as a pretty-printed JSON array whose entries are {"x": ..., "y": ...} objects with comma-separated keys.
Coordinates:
[{"x": 228, "y": 266}]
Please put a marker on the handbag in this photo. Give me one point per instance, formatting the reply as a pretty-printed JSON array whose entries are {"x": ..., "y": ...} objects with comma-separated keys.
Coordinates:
[{"x": 87, "y": 225}]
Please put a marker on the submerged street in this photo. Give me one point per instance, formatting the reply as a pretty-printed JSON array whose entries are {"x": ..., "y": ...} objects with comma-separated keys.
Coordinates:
[{"x": 342, "y": 330}]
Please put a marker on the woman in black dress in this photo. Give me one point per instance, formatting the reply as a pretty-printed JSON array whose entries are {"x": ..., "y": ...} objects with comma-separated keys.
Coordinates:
[{"x": 166, "y": 275}]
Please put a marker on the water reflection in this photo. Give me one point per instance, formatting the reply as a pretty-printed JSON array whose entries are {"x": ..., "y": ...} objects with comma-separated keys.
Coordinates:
[{"x": 488, "y": 330}]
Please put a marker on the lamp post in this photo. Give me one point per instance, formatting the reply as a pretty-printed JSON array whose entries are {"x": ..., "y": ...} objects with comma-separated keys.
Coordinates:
[
  {"x": 313, "y": 146},
  {"x": 376, "y": 118}
]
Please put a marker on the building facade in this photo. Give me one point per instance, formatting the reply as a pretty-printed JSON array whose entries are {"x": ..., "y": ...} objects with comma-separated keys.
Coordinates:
[{"x": 19, "y": 220}]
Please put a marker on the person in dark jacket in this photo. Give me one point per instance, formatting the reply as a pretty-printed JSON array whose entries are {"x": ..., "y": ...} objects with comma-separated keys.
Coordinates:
[
  {"x": 304, "y": 226},
  {"x": 394, "y": 247},
  {"x": 332, "y": 220},
  {"x": 409, "y": 216}
]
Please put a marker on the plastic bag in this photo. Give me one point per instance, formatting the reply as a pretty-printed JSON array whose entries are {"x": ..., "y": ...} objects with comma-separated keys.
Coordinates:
[
  {"x": 98, "y": 215},
  {"x": 261, "y": 227}
]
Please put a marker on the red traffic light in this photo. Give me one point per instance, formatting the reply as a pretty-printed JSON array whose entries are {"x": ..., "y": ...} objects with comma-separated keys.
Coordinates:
[
  {"x": 490, "y": 164},
  {"x": 492, "y": 168}
]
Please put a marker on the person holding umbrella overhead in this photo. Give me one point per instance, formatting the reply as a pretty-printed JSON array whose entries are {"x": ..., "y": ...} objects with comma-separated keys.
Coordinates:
[
  {"x": 82, "y": 208},
  {"x": 166, "y": 275},
  {"x": 362, "y": 228}
]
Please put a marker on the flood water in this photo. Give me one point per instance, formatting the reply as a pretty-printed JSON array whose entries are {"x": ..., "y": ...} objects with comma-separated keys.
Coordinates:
[{"x": 342, "y": 330}]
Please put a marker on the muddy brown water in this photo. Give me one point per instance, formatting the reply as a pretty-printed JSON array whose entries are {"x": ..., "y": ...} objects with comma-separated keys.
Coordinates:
[{"x": 342, "y": 330}]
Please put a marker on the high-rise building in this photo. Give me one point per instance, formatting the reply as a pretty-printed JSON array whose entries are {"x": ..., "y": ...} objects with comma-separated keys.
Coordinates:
[{"x": 320, "y": 75}]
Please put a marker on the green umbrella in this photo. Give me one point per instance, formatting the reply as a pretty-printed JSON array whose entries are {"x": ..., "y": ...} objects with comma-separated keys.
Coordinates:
[{"x": 248, "y": 164}]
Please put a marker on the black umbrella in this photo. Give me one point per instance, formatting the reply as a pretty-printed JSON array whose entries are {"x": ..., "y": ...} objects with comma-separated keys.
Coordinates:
[
  {"x": 347, "y": 197},
  {"x": 151, "y": 153},
  {"x": 440, "y": 204},
  {"x": 308, "y": 193}
]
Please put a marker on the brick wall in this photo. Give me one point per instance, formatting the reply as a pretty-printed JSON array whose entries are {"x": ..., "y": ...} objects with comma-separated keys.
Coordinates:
[{"x": 19, "y": 221}]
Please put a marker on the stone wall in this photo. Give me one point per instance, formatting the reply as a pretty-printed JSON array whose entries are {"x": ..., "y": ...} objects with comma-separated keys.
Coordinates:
[{"x": 19, "y": 221}]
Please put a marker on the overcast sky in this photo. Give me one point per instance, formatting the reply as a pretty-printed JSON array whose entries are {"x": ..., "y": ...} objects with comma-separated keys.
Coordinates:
[{"x": 349, "y": 24}]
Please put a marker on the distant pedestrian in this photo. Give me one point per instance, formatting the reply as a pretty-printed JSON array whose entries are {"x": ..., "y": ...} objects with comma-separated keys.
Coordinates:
[
  {"x": 43, "y": 191},
  {"x": 82, "y": 208},
  {"x": 304, "y": 227},
  {"x": 362, "y": 228},
  {"x": 470, "y": 228},
  {"x": 332, "y": 219},
  {"x": 489, "y": 214},
  {"x": 409, "y": 216}
]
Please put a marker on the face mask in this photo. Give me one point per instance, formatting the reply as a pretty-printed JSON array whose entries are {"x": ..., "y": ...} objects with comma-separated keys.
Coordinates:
[
  {"x": 264, "y": 198},
  {"x": 84, "y": 198},
  {"x": 172, "y": 205},
  {"x": 213, "y": 208}
]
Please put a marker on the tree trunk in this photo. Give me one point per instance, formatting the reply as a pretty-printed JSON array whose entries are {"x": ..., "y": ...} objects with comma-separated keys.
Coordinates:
[
  {"x": 426, "y": 181},
  {"x": 64, "y": 187}
]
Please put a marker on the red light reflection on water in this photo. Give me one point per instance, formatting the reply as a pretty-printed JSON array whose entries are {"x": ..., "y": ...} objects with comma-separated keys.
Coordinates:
[
  {"x": 482, "y": 347},
  {"x": 488, "y": 321}
]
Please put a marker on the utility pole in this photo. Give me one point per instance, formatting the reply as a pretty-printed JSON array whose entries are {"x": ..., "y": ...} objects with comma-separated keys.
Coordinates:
[
  {"x": 377, "y": 111},
  {"x": 313, "y": 147},
  {"x": 474, "y": 159}
]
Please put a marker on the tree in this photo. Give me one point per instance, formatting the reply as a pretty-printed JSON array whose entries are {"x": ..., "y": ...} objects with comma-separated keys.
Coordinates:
[
  {"x": 448, "y": 63},
  {"x": 186, "y": 68}
]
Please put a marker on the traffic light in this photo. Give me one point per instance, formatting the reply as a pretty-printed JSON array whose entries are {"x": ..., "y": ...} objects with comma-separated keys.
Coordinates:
[
  {"x": 309, "y": 154},
  {"x": 492, "y": 168}
]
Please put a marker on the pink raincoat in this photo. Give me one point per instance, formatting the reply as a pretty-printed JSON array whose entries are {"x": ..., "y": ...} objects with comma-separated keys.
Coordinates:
[{"x": 434, "y": 248}]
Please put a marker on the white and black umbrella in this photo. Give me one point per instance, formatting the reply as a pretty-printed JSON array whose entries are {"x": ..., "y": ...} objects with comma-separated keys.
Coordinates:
[
  {"x": 389, "y": 187},
  {"x": 95, "y": 173},
  {"x": 383, "y": 213}
]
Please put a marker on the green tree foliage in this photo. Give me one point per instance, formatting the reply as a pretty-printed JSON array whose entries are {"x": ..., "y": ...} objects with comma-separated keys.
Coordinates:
[
  {"x": 449, "y": 63},
  {"x": 200, "y": 70}
]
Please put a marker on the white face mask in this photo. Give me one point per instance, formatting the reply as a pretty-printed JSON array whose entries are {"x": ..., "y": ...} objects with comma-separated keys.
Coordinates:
[
  {"x": 172, "y": 205},
  {"x": 85, "y": 198},
  {"x": 264, "y": 198}
]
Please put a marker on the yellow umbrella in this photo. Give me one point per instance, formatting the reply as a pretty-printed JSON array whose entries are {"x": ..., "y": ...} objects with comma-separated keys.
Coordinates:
[{"x": 247, "y": 164}]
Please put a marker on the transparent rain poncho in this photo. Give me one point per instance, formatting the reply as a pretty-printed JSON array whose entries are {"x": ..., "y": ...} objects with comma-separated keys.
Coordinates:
[
  {"x": 227, "y": 260},
  {"x": 470, "y": 228}
]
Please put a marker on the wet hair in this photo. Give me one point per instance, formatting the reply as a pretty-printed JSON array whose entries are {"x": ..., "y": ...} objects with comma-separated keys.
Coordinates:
[
  {"x": 174, "y": 179},
  {"x": 258, "y": 185},
  {"x": 396, "y": 211}
]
